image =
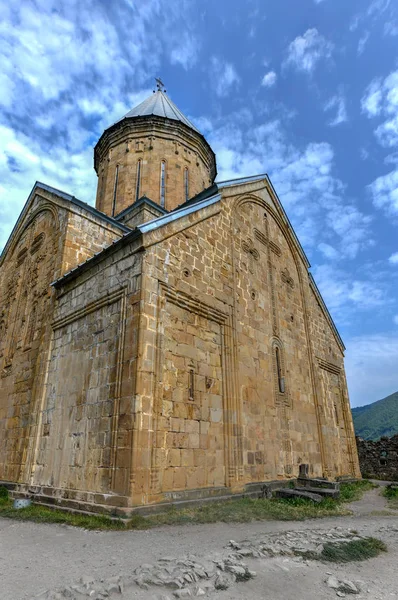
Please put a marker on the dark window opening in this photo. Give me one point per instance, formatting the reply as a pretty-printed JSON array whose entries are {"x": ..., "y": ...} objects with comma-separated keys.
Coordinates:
[
  {"x": 115, "y": 190},
  {"x": 162, "y": 183},
  {"x": 138, "y": 183},
  {"x": 186, "y": 183},
  {"x": 191, "y": 386},
  {"x": 281, "y": 379},
  {"x": 336, "y": 414}
]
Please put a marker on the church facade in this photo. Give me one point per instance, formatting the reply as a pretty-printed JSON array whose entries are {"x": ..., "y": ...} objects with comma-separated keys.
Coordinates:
[{"x": 169, "y": 343}]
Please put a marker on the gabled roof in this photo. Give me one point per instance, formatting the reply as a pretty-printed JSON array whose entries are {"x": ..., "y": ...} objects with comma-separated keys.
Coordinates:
[
  {"x": 137, "y": 204},
  {"x": 207, "y": 197},
  {"x": 160, "y": 105},
  {"x": 47, "y": 188}
]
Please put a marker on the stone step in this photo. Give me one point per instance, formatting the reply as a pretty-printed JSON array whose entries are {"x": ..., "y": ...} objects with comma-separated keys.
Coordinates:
[
  {"x": 324, "y": 492},
  {"x": 297, "y": 493},
  {"x": 318, "y": 483}
]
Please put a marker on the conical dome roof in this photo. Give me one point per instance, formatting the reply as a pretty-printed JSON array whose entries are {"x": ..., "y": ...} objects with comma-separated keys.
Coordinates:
[{"x": 160, "y": 105}]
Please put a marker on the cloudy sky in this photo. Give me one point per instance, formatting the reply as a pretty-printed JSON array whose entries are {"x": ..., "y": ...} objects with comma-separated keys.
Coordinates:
[{"x": 305, "y": 90}]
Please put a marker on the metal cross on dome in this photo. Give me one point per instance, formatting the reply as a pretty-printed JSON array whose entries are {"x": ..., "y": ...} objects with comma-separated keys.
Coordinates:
[{"x": 159, "y": 84}]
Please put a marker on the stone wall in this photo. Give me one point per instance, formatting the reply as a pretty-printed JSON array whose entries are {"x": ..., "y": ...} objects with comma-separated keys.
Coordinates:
[
  {"x": 53, "y": 236},
  {"x": 379, "y": 459},
  {"x": 85, "y": 439},
  {"x": 233, "y": 269},
  {"x": 194, "y": 358},
  {"x": 121, "y": 148},
  {"x": 26, "y": 304}
]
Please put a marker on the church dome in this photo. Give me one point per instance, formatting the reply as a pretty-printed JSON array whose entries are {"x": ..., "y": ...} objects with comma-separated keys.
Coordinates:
[
  {"x": 153, "y": 151},
  {"x": 160, "y": 105}
]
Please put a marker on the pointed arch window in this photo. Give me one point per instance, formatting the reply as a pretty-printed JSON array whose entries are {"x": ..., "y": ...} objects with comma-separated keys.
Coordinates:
[
  {"x": 30, "y": 330},
  {"x": 138, "y": 182},
  {"x": 186, "y": 183},
  {"x": 282, "y": 396},
  {"x": 281, "y": 378},
  {"x": 191, "y": 385},
  {"x": 115, "y": 190},
  {"x": 162, "y": 183}
]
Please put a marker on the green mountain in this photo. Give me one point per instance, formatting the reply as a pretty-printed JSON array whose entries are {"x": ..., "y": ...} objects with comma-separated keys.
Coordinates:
[{"x": 375, "y": 420}]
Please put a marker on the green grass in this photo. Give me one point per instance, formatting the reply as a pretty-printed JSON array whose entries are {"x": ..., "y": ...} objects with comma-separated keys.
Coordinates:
[
  {"x": 350, "y": 492},
  {"x": 391, "y": 493},
  {"x": 355, "y": 550},
  {"x": 231, "y": 511},
  {"x": 249, "y": 509}
]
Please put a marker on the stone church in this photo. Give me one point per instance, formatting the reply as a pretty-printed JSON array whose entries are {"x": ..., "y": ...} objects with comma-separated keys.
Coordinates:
[{"x": 168, "y": 344}]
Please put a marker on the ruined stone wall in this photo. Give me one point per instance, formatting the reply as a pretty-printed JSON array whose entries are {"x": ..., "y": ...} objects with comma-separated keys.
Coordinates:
[
  {"x": 84, "y": 447},
  {"x": 379, "y": 458},
  {"x": 119, "y": 153}
]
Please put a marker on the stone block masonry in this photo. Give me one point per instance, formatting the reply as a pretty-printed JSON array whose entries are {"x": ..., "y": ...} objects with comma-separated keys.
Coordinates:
[
  {"x": 379, "y": 458},
  {"x": 164, "y": 355}
]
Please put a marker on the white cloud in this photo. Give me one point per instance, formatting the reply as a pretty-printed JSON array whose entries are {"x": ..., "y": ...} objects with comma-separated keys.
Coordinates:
[
  {"x": 69, "y": 70},
  {"x": 362, "y": 42},
  {"x": 378, "y": 6},
  {"x": 303, "y": 176},
  {"x": 393, "y": 258},
  {"x": 381, "y": 99},
  {"x": 391, "y": 28},
  {"x": 371, "y": 363},
  {"x": 224, "y": 76},
  {"x": 22, "y": 162},
  {"x": 328, "y": 251},
  {"x": 186, "y": 52},
  {"x": 307, "y": 50},
  {"x": 371, "y": 101},
  {"x": 337, "y": 102},
  {"x": 343, "y": 293},
  {"x": 364, "y": 153},
  {"x": 384, "y": 191},
  {"x": 269, "y": 79}
]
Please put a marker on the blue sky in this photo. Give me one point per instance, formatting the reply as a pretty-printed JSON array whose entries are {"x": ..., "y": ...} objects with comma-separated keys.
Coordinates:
[{"x": 305, "y": 90}]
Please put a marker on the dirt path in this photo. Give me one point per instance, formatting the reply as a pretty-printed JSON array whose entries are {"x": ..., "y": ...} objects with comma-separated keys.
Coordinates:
[
  {"x": 35, "y": 558},
  {"x": 372, "y": 502}
]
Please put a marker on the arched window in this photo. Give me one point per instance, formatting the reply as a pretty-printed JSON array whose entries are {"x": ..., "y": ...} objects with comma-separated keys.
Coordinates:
[
  {"x": 282, "y": 396},
  {"x": 162, "y": 183},
  {"x": 30, "y": 330},
  {"x": 115, "y": 190},
  {"x": 281, "y": 378},
  {"x": 186, "y": 183},
  {"x": 191, "y": 385},
  {"x": 138, "y": 182}
]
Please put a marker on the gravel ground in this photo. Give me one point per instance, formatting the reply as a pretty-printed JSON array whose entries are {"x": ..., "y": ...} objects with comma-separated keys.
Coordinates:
[{"x": 35, "y": 558}]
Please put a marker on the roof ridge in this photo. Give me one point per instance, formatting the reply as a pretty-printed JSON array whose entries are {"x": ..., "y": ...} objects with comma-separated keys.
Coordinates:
[{"x": 159, "y": 104}]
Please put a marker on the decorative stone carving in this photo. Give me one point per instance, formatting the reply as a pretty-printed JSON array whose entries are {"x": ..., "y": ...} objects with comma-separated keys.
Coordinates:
[
  {"x": 248, "y": 247},
  {"x": 286, "y": 278}
]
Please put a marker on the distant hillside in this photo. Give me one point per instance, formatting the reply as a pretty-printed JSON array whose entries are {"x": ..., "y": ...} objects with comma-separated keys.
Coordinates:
[{"x": 377, "y": 419}]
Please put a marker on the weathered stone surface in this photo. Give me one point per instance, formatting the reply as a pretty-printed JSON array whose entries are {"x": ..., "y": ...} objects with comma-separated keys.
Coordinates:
[
  {"x": 379, "y": 458},
  {"x": 296, "y": 493},
  {"x": 184, "y": 360},
  {"x": 342, "y": 587}
]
